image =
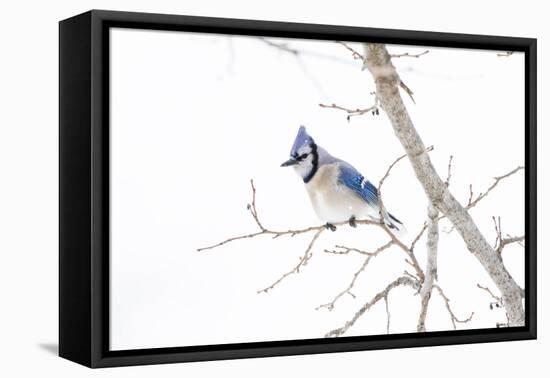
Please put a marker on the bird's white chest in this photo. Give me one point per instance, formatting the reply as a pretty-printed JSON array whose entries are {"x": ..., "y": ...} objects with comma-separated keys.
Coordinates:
[{"x": 332, "y": 201}]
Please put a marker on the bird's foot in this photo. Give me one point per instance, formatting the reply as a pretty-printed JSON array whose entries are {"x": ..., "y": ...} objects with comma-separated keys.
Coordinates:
[
  {"x": 330, "y": 226},
  {"x": 352, "y": 222}
]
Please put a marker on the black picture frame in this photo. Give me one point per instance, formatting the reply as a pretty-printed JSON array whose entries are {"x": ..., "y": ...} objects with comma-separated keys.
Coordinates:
[{"x": 84, "y": 188}]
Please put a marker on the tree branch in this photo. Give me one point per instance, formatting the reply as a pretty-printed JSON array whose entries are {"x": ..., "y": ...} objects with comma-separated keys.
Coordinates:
[
  {"x": 274, "y": 233},
  {"x": 510, "y": 240},
  {"x": 303, "y": 261},
  {"x": 409, "y": 55},
  {"x": 497, "y": 300},
  {"x": 431, "y": 266},
  {"x": 401, "y": 281},
  {"x": 472, "y": 202},
  {"x": 280, "y": 46},
  {"x": 347, "y": 290},
  {"x": 354, "y": 53},
  {"x": 318, "y": 230},
  {"x": 378, "y": 61},
  {"x": 454, "y": 319},
  {"x": 354, "y": 112}
]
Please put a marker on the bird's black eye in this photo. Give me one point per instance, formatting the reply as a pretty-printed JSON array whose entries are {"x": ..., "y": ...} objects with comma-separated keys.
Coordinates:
[{"x": 302, "y": 156}]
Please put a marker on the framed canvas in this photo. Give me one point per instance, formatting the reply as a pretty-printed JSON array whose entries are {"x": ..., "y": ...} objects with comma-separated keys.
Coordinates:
[{"x": 235, "y": 188}]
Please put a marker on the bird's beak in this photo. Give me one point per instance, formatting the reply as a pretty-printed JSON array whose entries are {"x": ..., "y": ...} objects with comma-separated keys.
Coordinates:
[{"x": 289, "y": 162}]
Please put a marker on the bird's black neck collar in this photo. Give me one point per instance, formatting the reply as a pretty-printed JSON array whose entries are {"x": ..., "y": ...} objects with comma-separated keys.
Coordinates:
[{"x": 314, "y": 162}]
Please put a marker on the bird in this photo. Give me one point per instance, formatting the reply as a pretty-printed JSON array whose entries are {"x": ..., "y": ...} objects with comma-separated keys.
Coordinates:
[{"x": 338, "y": 192}]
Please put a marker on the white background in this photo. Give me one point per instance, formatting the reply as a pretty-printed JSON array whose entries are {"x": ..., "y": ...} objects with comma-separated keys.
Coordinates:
[
  {"x": 194, "y": 117},
  {"x": 29, "y": 192}
]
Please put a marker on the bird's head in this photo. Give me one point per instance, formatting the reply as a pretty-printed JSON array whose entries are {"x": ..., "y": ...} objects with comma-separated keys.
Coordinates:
[{"x": 303, "y": 155}]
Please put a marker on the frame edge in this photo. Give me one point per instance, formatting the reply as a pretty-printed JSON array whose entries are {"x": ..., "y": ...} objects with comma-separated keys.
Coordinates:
[{"x": 75, "y": 275}]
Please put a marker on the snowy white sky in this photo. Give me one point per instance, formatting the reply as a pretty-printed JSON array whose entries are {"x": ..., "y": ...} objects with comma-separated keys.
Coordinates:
[{"x": 195, "y": 117}]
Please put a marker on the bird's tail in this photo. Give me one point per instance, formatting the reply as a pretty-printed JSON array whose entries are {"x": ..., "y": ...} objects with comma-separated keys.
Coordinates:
[{"x": 394, "y": 224}]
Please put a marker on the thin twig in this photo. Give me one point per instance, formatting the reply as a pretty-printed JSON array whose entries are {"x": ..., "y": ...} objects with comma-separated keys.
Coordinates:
[
  {"x": 343, "y": 250},
  {"x": 409, "y": 55},
  {"x": 353, "y": 112},
  {"x": 401, "y": 281},
  {"x": 347, "y": 290},
  {"x": 354, "y": 53},
  {"x": 497, "y": 300},
  {"x": 519, "y": 239},
  {"x": 280, "y": 46},
  {"x": 408, "y": 250},
  {"x": 407, "y": 90},
  {"x": 510, "y": 240},
  {"x": 429, "y": 149},
  {"x": 419, "y": 235},
  {"x": 449, "y": 167},
  {"x": 471, "y": 198},
  {"x": 473, "y": 202},
  {"x": 498, "y": 231},
  {"x": 454, "y": 319},
  {"x": 501, "y": 242},
  {"x": 303, "y": 261}
]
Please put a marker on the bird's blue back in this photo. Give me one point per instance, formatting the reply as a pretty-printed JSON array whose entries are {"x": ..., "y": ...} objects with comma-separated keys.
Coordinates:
[{"x": 352, "y": 179}]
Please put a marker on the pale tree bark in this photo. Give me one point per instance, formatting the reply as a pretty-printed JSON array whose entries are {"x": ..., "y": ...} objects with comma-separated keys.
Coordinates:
[
  {"x": 431, "y": 266},
  {"x": 378, "y": 62}
]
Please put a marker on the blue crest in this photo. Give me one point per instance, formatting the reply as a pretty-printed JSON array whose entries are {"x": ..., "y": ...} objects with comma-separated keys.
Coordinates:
[{"x": 303, "y": 138}]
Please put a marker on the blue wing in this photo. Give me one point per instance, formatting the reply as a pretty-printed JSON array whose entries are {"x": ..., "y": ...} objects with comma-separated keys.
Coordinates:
[{"x": 355, "y": 181}]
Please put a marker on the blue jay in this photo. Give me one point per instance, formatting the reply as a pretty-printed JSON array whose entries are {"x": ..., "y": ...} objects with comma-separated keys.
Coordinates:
[{"x": 338, "y": 192}]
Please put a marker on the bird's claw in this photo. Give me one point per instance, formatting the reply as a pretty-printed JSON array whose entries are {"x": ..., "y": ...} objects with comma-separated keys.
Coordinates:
[
  {"x": 330, "y": 226},
  {"x": 352, "y": 222}
]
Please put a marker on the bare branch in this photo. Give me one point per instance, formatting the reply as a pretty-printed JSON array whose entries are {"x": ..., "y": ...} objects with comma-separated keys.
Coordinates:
[
  {"x": 510, "y": 240},
  {"x": 275, "y": 233},
  {"x": 347, "y": 290},
  {"x": 252, "y": 208},
  {"x": 378, "y": 61},
  {"x": 497, "y": 300},
  {"x": 498, "y": 231},
  {"x": 409, "y": 55},
  {"x": 401, "y": 281},
  {"x": 408, "y": 250},
  {"x": 501, "y": 242},
  {"x": 449, "y": 167},
  {"x": 408, "y": 274},
  {"x": 454, "y": 319},
  {"x": 472, "y": 202},
  {"x": 419, "y": 235},
  {"x": 354, "y": 53},
  {"x": 354, "y": 112},
  {"x": 429, "y": 149},
  {"x": 517, "y": 239},
  {"x": 490, "y": 292},
  {"x": 280, "y": 46},
  {"x": 303, "y": 261},
  {"x": 431, "y": 266},
  {"x": 343, "y": 250},
  {"x": 471, "y": 198},
  {"x": 407, "y": 90}
]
